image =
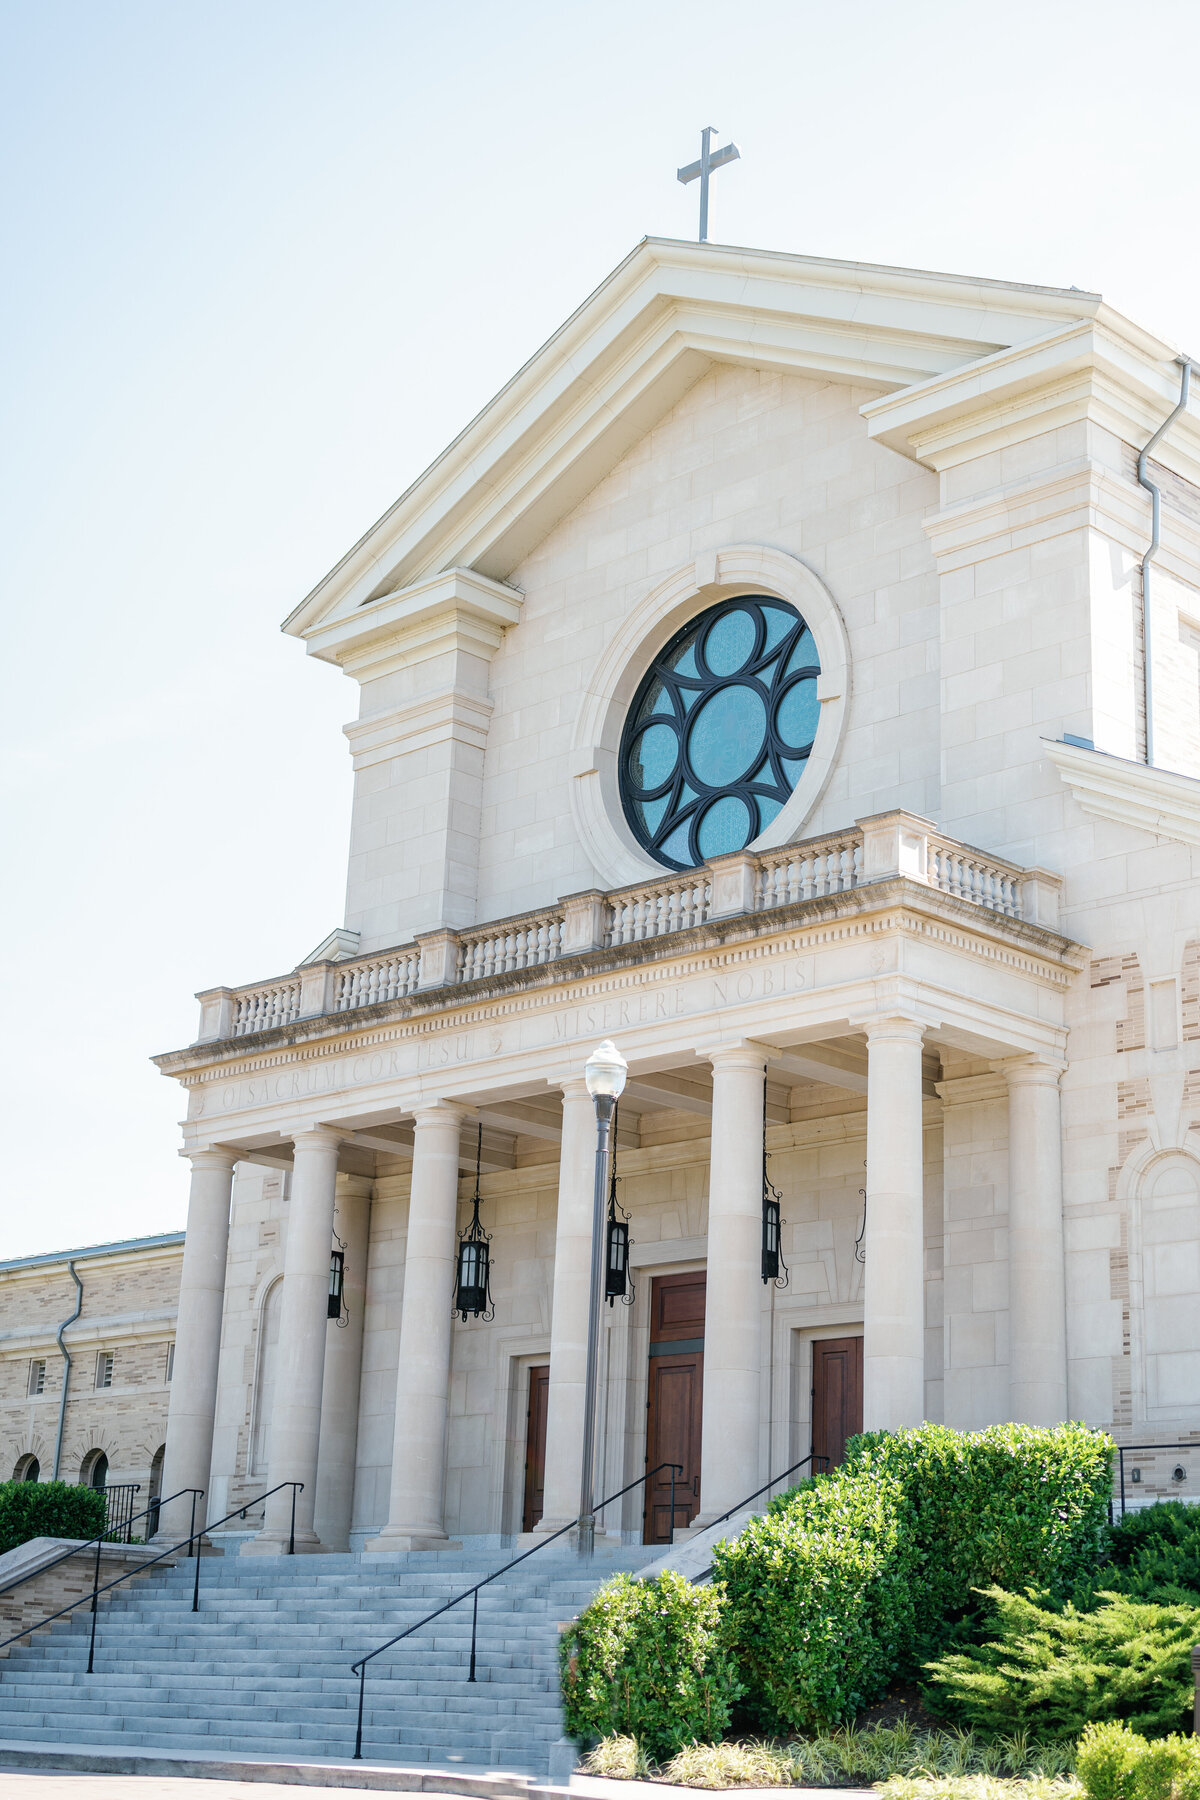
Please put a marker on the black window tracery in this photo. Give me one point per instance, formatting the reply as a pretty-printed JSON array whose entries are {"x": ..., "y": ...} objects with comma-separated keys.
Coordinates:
[{"x": 720, "y": 730}]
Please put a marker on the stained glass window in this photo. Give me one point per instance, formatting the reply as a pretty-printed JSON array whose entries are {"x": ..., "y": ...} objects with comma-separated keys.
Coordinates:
[{"x": 720, "y": 730}]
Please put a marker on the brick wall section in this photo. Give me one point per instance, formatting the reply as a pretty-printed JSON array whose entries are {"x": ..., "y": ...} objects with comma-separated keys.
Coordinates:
[{"x": 50, "y": 1589}]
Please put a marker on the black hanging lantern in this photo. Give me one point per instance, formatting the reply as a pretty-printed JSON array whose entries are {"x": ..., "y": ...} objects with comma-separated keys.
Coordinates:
[
  {"x": 618, "y": 1283},
  {"x": 773, "y": 1266},
  {"x": 337, "y": 1282},
  {"x": 472, "y": 1291}
]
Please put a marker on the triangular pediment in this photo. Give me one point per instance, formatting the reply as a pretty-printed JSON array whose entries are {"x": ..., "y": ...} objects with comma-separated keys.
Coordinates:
[{"x": 660, "y": 321}]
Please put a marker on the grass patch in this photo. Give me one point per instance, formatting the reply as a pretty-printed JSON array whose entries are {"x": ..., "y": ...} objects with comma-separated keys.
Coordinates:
[{"x": 930, "y": 1765}]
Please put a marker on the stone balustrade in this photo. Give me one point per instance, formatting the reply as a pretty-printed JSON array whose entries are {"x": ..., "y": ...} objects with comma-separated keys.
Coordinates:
[{"x": 876, "y": 849}]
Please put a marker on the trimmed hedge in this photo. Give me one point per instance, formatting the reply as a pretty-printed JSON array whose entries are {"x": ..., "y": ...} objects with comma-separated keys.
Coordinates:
[
  {"x": 30, "y": 1509},
  {"x": 650, "y": 1659},
  {"x": 1115, "y": 1763},
  {"x": 1054, "y": 1670},
  {"x": 860, "y": 1576}
]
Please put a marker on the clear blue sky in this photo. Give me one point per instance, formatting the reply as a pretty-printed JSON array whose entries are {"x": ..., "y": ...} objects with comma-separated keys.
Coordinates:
[{"x": 263, "y": 261}]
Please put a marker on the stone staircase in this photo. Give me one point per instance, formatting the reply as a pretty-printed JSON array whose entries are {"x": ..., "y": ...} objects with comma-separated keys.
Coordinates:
[{"x": 263, "y": 1669}]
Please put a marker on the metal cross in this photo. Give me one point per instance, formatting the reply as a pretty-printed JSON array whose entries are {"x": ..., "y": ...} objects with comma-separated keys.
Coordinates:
[{"x": 709, "y": 160}]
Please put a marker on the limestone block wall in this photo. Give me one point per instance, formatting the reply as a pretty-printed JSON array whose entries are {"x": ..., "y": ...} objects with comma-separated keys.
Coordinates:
[
  {"x": 745, "y": 456},
  {"x": 129, "y": 1308}
]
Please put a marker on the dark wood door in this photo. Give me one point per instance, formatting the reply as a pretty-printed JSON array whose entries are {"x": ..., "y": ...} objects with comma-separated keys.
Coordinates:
[
  {"x": 535, "y": 1445},
  {"x": 837, "y": 1397},
  {"x": 675, "y": 1398}
]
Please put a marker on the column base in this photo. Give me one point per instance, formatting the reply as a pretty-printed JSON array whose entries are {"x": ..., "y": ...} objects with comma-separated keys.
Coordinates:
[
  {"x": 393, "y": 1542},
  {"x": 605, "y": 1540},
  {"x": 307, "y": 1544}
]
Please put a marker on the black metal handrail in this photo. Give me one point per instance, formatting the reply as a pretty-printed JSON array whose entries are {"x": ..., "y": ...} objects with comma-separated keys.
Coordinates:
[
  {"x": 1122, "y": 1448},
  {"x": 118, "y": 1511},
  {"x": 193, "y": 1537},
  {"x": 472, "y": 1593},
  {"x": 812, "y": 1457}
]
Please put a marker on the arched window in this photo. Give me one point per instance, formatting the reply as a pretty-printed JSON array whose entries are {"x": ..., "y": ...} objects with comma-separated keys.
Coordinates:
[
  {"x": 264, "y": 1383},
  {"x": 93, "y": 1471},
  {"x": 28, "y": 1469},
  {"x": 720, "y": 730}
]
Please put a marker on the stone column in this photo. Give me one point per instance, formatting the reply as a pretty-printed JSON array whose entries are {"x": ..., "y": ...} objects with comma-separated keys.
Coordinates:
[
  {"x": 569, "y": 1314},
  {"x": 1037, "y": 1286},
  {"x": 729, "y": 1461},
  {"x": 423, "y": 1371},
  {"x": 894, "y": 1273},
  {"x": 295, "y": 1427},
  {"x": 193, "y": 1403},
  {"x": 343, "y": 1369}
]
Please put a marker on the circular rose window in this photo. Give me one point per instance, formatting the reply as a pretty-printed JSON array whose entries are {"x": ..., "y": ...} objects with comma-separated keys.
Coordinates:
[{"x": 720, "y": 731}]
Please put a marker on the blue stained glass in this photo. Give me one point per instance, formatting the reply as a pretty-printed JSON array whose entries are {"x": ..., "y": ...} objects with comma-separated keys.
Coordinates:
[
  {"x": 654, "y": 756},
  {"x": 720, "y": 738},
  {"x": 804, "y": 656},
  {"x": 778, "y": 624},
  {"x": 724, "y": 827},
  {"x": 653, "y": 810},
  {"x": 727, "y": 735},
  {"x": 796, "y": 719},
  {"x": 729, "y": 643},
  {"x": 676, "y": 846}
]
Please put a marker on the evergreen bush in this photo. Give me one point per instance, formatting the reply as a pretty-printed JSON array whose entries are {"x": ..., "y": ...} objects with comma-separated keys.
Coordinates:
[
  {"x": 861, "y": 1575},
  {"x": 1056, "y": 1669},
  {"x": 650, "y": 1660},
  {"x": 1115, "y": 1763},
  {"x": 30, "y": 1509},
  {"x": 1156, "y": 1554}
]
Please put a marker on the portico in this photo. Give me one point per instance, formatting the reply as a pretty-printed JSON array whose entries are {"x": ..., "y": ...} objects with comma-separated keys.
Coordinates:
[{"x": 804, "y": 1025}]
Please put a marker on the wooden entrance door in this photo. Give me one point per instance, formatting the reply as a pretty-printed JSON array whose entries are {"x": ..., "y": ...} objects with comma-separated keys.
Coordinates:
[
  {"x": 674, "y": 1402},
  {"x": 535, "y": 1445},
  {"x": 837, "y": 1390}
]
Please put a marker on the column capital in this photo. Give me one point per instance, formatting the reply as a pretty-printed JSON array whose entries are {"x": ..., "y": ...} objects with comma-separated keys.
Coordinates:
[
  {"x": 1031, "y": 1071},
  {"x": 316, "y": 1137},
  {"x": 574, "y": 1087},
  {"x": 440, "y": 1112},
  {"x": 743, "y": 1055},
  {"x": 211, "y": 1156},
  {"x": 894, "y": 1026}
]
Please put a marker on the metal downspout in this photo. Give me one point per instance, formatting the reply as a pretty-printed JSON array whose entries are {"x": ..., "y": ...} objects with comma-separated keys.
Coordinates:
[
  {"x": 1185, "y": 363},
  {"x": 66, "y": 1355}
]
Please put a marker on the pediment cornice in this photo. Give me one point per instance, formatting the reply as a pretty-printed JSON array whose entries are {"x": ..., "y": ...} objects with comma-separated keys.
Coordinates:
[{"x": 659, "y": 322}]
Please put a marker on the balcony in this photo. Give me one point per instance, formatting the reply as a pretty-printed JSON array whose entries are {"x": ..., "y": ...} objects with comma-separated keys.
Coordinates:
[{"x": 886, "y": 847}]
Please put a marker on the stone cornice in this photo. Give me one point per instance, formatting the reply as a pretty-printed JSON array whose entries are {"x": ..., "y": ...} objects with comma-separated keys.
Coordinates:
[
  {"x": 898, "y": 905},
  {"x": 656, "y": 324},
  {"x": 453, "y": 610},
  {"x": 1158, "y": 802},
  {"x": 456, "y": 714}
]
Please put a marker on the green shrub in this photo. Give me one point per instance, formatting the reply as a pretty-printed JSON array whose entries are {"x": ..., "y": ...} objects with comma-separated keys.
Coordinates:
[
  {"x": 30, "y": 1509},
  {"x": 1060, "y": 1669},
  {"x": 1115, "y": 1763},
  {"x": 1156, "y": 1554},
  {"x": 651, "y": 1660},
  {"x": 861, "y": 1575}
]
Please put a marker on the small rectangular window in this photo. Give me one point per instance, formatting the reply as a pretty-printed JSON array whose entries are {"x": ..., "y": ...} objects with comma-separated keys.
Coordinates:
[
  {"x": 37, "y": 1378},
  {"x": 104, "y": 1369},
  {"x": 170, "y": 1360}
]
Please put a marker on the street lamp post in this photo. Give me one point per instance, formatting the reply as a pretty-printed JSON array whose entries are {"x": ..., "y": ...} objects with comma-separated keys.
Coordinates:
[{"x": 604, "y": 1072}]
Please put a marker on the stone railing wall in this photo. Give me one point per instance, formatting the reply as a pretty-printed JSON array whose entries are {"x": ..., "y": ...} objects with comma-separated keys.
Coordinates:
[{"x": 874, "y": 849}]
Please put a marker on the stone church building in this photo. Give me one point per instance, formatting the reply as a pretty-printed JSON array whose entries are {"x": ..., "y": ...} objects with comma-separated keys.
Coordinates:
[{"x": 759, "y": 681}]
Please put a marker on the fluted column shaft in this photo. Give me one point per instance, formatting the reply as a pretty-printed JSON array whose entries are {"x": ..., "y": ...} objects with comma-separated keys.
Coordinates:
[
  {"x": 423, "y": 1371},
  {"x": 733, "y": 1298},
  {"x": 193, "y": 1404},
  {"x": 1037, "y": 1287},
  {"x": 295, "y": 1427},
  {"x": 569, "y": 1314},
  {"x": 894, "y": 1273}
]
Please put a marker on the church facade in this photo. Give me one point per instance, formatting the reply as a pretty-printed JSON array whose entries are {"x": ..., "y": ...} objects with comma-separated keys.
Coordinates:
[{"x": 760, "y": 681}]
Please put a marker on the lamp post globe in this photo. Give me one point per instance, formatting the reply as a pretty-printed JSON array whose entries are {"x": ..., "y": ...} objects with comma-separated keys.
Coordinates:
[{"x": 604, "y": 1072}]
